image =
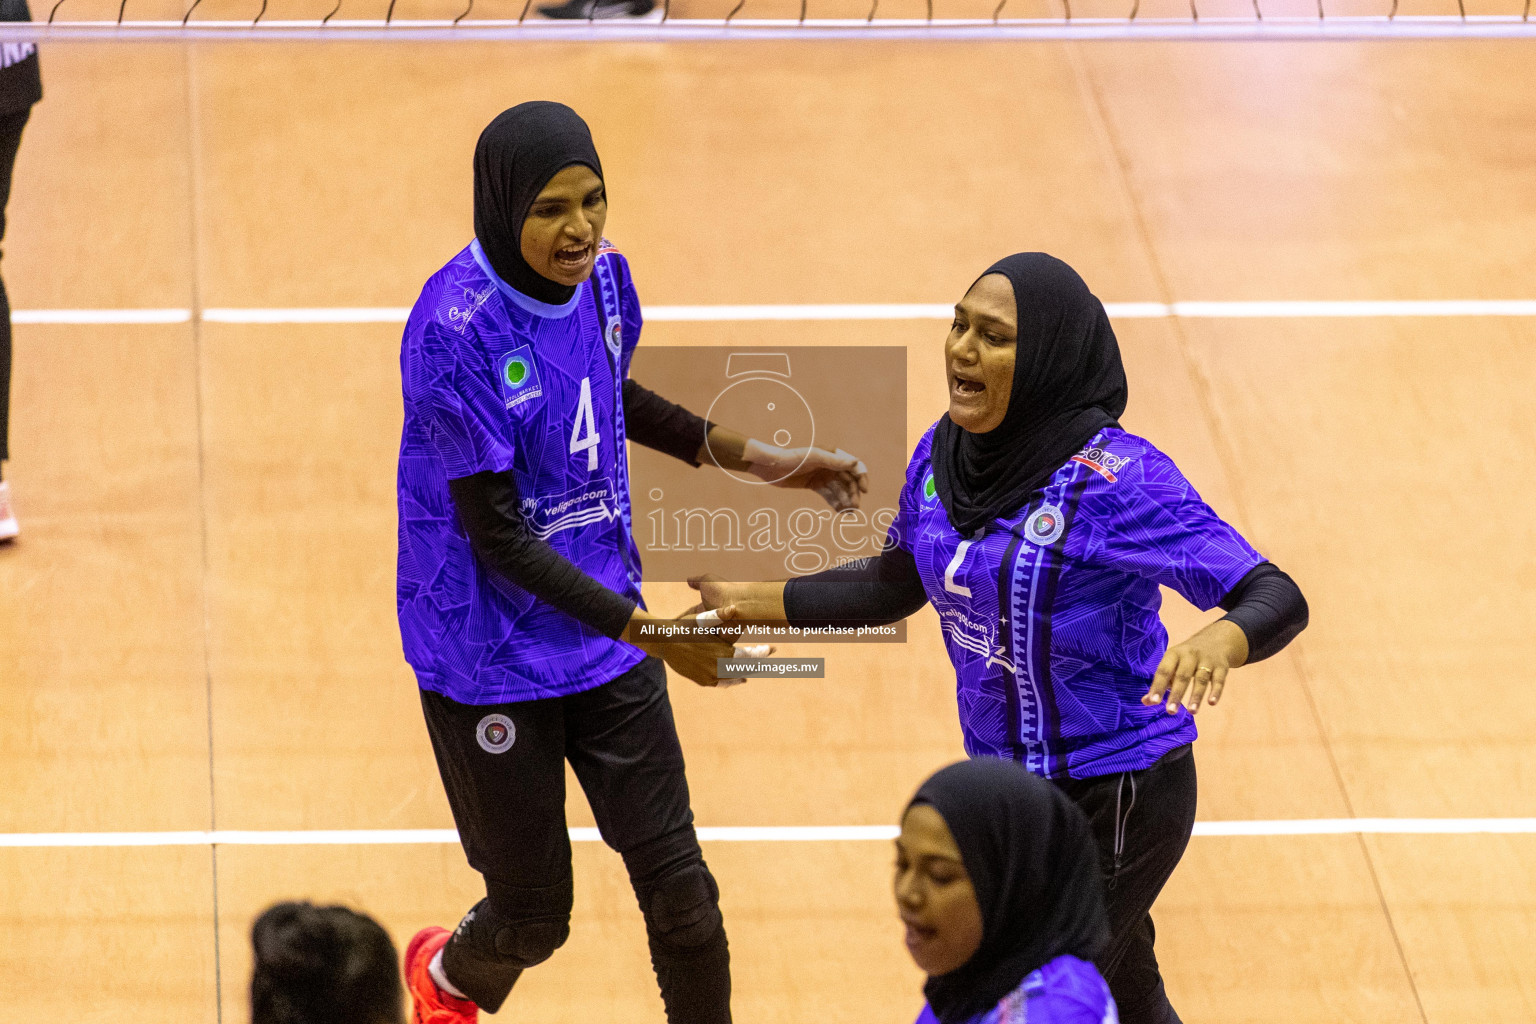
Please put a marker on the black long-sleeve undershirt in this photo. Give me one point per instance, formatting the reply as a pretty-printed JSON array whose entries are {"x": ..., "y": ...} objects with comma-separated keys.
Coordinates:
[
  {"x": 487, "y": 504},
  {"x": 1265, "y": 604},
  {"x": 1268, "y": 607},
  {"x": 665, "y": 426}
]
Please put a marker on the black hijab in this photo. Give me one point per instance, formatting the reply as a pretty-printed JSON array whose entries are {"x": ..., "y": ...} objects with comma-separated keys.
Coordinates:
[
  {"x": 1035, "y": 868},
  {"x": 1068, "y": 385},
  {"x": 516, "y": 156}
]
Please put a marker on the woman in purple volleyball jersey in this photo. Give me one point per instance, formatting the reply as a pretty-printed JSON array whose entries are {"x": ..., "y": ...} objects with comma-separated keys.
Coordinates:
[
  {"x": 997, "y": 882},
  {"x": 1040, "y": 531},
  {"x": 519, "y": 580}
]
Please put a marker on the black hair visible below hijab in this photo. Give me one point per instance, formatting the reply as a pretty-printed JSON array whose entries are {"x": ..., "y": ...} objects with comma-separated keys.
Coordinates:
[
  {"x": 1033, "y": 862},
  {"x": 517, "y": 154},
  {"x": 1068, "y": 384}
]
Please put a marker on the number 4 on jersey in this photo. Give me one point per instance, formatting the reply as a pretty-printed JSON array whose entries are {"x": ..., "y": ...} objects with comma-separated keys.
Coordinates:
[{"x": 585, "y": 420}]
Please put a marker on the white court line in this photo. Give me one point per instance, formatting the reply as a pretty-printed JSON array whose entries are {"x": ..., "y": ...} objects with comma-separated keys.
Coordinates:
[
  {"x": 830, "y": 311},
  {"x": 1434, "y": 307},
  {"x": 324, "y": 315},
  {"x": 749, "y": 834},
  {"x": 100, "y": 316}
]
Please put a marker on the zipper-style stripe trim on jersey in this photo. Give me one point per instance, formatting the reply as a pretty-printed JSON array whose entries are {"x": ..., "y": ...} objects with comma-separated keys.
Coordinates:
[
  {"x": 605, "y": 300},
  {"x": 1031, "y": 613},
  {"x": 1010, "y": 659}
]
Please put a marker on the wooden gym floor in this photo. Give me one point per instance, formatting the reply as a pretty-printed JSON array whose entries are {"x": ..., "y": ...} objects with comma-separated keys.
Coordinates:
[{"x": 197, "y": 627}]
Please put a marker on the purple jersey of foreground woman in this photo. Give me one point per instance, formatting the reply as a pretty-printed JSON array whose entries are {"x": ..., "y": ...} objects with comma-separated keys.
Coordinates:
[
  {"x": 1053, "y": 674},
  {"x": 493, "y": 381},
  {"x": 1065, "y": 991}
]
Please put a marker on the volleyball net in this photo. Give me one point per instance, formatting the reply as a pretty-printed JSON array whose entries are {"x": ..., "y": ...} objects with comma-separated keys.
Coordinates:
[{"x": 744, "y": 20}]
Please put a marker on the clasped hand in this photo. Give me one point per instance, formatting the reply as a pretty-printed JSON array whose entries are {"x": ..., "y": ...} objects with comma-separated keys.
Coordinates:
[{"x": 838, "y": 477}]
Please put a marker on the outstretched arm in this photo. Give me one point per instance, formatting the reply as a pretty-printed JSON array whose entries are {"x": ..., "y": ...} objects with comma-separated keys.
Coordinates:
[
  {"x": 667, "y": 427},
  {"x": 869, "y": 592},
  {"x": 664, "y": 426}
]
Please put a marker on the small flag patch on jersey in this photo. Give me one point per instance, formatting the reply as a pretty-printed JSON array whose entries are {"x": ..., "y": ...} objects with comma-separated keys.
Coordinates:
[{"x": 1045, "y": 526}]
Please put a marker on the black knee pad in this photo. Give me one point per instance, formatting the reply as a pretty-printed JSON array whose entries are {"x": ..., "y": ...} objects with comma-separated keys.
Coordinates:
[
  {"x": 516, "y": 935},
  {"x": 498, "y": 940},
  {"x": 682, "y": 911}
]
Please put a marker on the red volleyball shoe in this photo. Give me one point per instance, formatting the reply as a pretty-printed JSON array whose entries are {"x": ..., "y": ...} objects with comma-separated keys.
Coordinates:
[{"x": 430, "y": 1004}]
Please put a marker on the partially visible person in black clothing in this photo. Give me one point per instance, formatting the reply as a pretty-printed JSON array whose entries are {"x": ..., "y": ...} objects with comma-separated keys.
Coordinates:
[
  {"x": 323, "y": 965},
  {"x": 21, "y": 85}
]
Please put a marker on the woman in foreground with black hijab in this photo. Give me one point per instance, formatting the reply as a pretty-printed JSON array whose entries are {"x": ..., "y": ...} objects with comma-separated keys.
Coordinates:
[
  {"x": 519, "y": 579},
  {"x": 997, "y": 881},
  {"x": 1040, "y": 531}
]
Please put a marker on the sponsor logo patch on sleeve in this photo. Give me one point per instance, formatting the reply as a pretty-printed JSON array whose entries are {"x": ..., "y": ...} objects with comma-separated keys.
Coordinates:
[{"x": 1102, "y": 462}]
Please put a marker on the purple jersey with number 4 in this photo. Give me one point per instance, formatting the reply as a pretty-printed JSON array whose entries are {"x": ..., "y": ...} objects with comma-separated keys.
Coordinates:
[
  {"x": 1051, "y": 616},
  {"x": 495, "y": 380},
  {"x": 1065, "y": 991}
]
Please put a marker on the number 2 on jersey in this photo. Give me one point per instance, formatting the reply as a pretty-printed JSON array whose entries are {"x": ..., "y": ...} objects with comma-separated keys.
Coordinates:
[
  {"x": 585, "y": 420},
  {"x": 954, "y": 564}
]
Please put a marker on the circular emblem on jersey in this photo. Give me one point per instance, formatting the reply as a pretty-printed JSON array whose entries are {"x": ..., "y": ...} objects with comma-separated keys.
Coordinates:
[
  {"x": 516, "y": 371},
  {"x": 1045, "y": 526},
  {"x": 929, "y": 488},
  {"x": 613, "y": 336},
  {"x": 496, "y": 734}
]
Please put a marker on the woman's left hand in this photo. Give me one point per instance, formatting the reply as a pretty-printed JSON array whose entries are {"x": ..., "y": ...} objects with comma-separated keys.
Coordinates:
[
  {"x": 838, "y": 477},
  {"x": 1196, "y": 669}
]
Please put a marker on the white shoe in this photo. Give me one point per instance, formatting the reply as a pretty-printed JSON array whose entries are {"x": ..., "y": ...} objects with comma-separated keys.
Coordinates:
[{"x": 9, "y": 530}]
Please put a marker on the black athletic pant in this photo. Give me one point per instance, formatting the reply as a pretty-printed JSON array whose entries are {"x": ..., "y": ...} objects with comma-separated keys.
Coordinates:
[
  {"x": 10, "y": 141},
  {"x": 1142, "y": 821},
  {"x": 507, "y": 790}
]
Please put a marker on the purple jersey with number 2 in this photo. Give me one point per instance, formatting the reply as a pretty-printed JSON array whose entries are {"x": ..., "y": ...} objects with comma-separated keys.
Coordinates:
[
  {"x": 494, "y": 380},
  {"x": 1050, "y": 617},
  {"x": 1065, "y": 991}
]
